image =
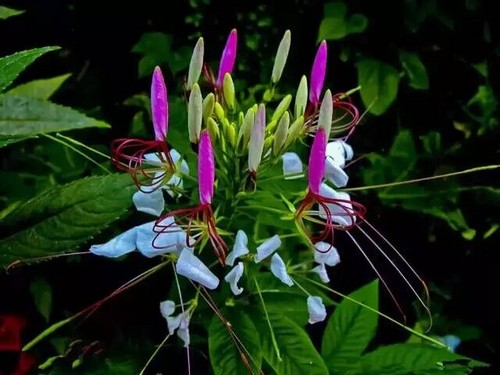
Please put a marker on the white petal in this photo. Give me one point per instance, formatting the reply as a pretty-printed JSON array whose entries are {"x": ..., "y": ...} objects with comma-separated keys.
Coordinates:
[
  {"x": 151, "y": 203},
  {"x": 190, "y": 266},
  {"x": 316, "y": 309},
  {"x": 335, "y": 174},
  {"x": 154, "y": 159},
  {"x": 278, "y": 268},
  {"x": 183, "y": 167},
  {"x": 349, "y": 153},
  {"x": 167, "y": 308},
  {"x": 320, "y": 269},
  {"x": 239, "y": 249},
  {"x": 233, "y": 277},
  {"x": 173, "y": 323},
  {"x": 326, "y": 253},
  {"x": 120, "y": 245},
  {"x": 335, "y": 153},
  {"x": 151, "y": 244},
  {"x": 183, "y": 331},
  {"x": 340, "y": 211},
  {"x": 268, "y": 247},
  {"x": 291, "y": 164}
]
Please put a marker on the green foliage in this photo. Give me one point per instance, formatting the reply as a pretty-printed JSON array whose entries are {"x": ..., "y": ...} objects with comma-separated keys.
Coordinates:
[
  {"x": 64, "y": 217},
  {"x": 156, "y": 49},
  {"x": 416, "y": 359},
  {"x": 224, "y": 354},
  {"x": 9, "y": 12},
  {"x": 40, "y": 88},
  {"x": 336, "y": 25},
  {"x": 415, "y": 70},
  {"x": 297, "y": 354},
  {"x": 379, "y": 84},
  {"x": 42, "y": 297},
  {"x": 11, "y": 66},
  {"x": 24, "y": 117},
  {"x": 350, "y": 329},
  {"x": 438, "y": 199}
]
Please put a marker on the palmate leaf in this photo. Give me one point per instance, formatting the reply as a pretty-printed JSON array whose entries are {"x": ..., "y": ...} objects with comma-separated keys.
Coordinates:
[
  {"x": 224, "y": 355},
  {"x": 65, "y": 217},
  {"x": 297, "y": 352},
  {"x": 22, "y": 116},
  {"x": 11, "y": 66},
  {"x": 416, "y": 359},
  {"x": 350, "y": 329},
  {"x": 40, "y": 88}
]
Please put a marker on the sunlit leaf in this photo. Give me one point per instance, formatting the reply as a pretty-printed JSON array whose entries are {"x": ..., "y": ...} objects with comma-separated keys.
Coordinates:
[
  {"x": 64, "y": 217},
  {"x": 11, "y": 66},
  {"x": 415, "y": 359},
  {"x": 22, "y": 116},
  {"x": 415, "y": 70},
  {"x": 9, "y": 12},
  {"x": 379, "y": 84},
  {"x": 224, "y": 355},
  {"x": 40, "y": 88},
  {"x": 350, "y": 329}
]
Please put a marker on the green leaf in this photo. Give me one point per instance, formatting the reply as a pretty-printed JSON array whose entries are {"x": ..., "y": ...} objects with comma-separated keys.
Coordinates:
[
  {"x": 379, "y": 84},
  {"x": 416, "y": 359},
  {"x": 11, "y": 66},
  {"x": 335, "y": 24},
  {"x": 65, "y": 217},
  {"x": 9, "y": 12},
  {"x": 350, "y": 329},
  {"x": 298, "y": 354},
  {"x": 155, "y": 48},
  {"x": 8, "y": 141},
  {"x": 42, "y": 296},
  {"x": 40, "y": 88},
  {"x": 22, "y": 116},
  {"x": 224, "y": 355},
  {"x": 415, "y": 70}
]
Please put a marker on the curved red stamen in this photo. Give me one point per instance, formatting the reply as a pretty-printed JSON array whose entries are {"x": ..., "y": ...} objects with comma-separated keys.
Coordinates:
[
  {"x": 354, "y": 212},
  {"x": 129, "y": 155},
  {"x": 188, "y": 217}
]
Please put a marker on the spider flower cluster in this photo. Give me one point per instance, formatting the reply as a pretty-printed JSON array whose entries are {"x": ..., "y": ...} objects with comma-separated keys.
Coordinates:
[{"x": 244, "y": 151}]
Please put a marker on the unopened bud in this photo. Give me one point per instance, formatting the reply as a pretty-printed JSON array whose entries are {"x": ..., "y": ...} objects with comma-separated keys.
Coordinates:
[
  {"x": 228, "y": 90},
  {"x": 208, "y": 106},
  {"x": 230, "y": 132},
  {"x": 282, "y": 107},
  {"x": 301, "y": 98},
  {"x": 281, "y": 133},
  {"x": 213, "y": 129},
  {"x": 295, "y": 131},
  {"x": 219, "y": 112},
  {"x": 256, "y": 143},
  {"x": 326, "y": 113},
  {"x": 196, "y": 64},
  {"x": 195, "y": 113},
  {"x": 281, "y": 56},
  {"x": 246, "y": 126}
]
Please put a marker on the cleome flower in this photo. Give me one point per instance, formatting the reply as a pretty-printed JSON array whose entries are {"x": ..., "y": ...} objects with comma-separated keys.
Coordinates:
[
  {"x": 149, "y": 162},
  {"x": 198, "y": 221}
]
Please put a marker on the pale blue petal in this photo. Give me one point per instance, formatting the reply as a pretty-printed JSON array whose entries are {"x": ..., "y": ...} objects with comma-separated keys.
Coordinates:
[
  {"x": 152, "y": 203},
  {"x": 335, "y": 174},
  {"x": 326, "y": 253},
  {"x": 335, "y": 153},
  {"x": 451, "y": 341},
  {"x": 292, "y": 165},
  {"x": 183, "y": 331},
  {"x": 120, "y": 245},
  {"x": 153, "y": 158},
  {"x": 173, "y": 185},
  {"x": 278, "y": 268},
  {"x": 183, "y": 166},
  {"x": 239, "y": 249},
  {"x": 320, "y": 269},
  {"x": 349, "y": 153},
  {"x": 233, "y": 277},
  {"x": 190, "y": 266},
  {"x": 173, "y": 323},
  {"x": 167, "y": 308},
  {"x": 151, "y": 244},
  {"x": 316, "y": 309},
  {"x": 339, "y": 211},
  {"x": 268, "y": 247}
]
